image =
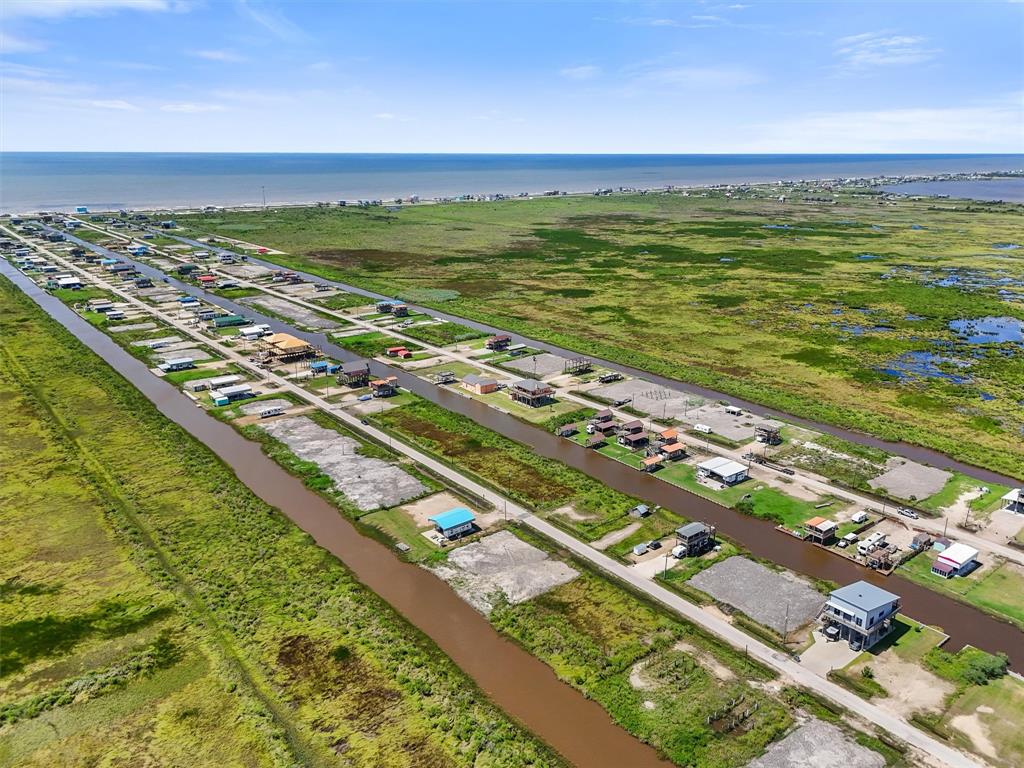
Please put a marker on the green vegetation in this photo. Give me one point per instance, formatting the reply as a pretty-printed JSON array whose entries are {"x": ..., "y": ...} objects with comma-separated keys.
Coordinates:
[
  {"x": 511, "y": 467},
  {"x": 371, "y": 343},
  {"x": 194, "y": 624},
  {"x": 236, "y": 293},
  {"x": 958, "y": 485},
  {"x": 996, "y": 587},
  {"x": 658, "y": 677},
  {"x": 798, "y": 321},
  {"x": 340, "y": 301},
  {"x": 442, "y": 334},
  {"x": 863, "y": 684},
  {"x": 968, "y": 666}
]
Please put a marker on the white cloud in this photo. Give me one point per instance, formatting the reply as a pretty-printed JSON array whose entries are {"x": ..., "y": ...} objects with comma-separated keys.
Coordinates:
[
  {"x": 114, "y": 104},
  {"x": 992, "y": 127},
  {"x": 715, "y": 19},
  {"x": 191, "y": 108},
  {"x": 218, "y": 55},
  {"x": 873, "y": 49},
  {"x": 391, "y": 116},
  {"x": 702, "y": 77},
  {"x": 272, "y": 21},
  {"x": 53, "y": 9},
  {"x": 11, "y": 44},
  {"x": 585, "y": 72}
]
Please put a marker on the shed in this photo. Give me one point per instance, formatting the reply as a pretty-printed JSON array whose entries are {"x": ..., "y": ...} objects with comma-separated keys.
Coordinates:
[
  {"x": 650, "y": 464},
  {"x": 481, "y": 385},
  {"x": 921, "y": 542}
]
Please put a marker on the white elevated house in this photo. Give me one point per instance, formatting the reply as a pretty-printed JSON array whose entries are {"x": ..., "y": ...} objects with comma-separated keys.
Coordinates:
[
  {"x": 723, "y": 470},
  {"x": 1013, "y": 501},
  {"x": 860, "y": 613}
]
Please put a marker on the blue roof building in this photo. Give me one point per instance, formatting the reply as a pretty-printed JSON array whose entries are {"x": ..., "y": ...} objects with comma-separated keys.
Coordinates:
[{"x": 453, "y": 523}]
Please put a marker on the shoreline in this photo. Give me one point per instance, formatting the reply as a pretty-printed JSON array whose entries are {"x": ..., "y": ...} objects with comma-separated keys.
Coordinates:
[{"x": 873, "y": 183}]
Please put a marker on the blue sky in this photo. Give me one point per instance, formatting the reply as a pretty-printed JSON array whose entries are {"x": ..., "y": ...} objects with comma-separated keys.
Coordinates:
[{"x": 242, "y": 75}]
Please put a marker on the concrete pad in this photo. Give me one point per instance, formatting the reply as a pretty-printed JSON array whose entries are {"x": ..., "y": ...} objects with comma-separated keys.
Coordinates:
[
  {"x": 440, "y": 502},
  {"x": 779, "y": 600},
  {"x": 822, "y": 657},
  {"x": 502, "y": 563},
  {"x": 909, "y": 480},
  {"x": 367, "y": 482},
  {"x": 818, "y": 744},
  {"x": 651, "y": 398},
  {"x": 546, "y": 365}
]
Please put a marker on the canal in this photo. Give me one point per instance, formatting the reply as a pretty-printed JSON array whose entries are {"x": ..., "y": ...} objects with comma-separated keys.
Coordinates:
[
  {"x": 519, "y": 683},
  {"x": 964, "y": 624},
  {"x": 908, "y": 450}
]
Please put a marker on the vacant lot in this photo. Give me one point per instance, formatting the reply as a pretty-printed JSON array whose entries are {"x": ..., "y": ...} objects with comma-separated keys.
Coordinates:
[
  {"x": 839, "y": 312},
  {"x": 777, "y": 599},
  {"x": 502, "y": 567},
  {"x": 369, "y": 483}
]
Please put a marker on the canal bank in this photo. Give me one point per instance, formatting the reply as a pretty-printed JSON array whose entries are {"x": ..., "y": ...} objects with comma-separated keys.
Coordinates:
[{"x": 517, "y": 682}]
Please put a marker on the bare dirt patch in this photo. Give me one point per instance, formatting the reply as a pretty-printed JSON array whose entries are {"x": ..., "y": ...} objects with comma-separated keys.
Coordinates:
[
  {"x": 502, "y": 564},
  {"x": 306, "y": 317},
  {"x": 367, "y": 482},
  {"x": 615, "y": 536}
]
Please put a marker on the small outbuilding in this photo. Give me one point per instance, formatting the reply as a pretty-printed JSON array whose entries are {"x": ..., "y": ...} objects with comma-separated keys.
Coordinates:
[
  {"x": 480, "y": 385},
  {"x": 956, "y": 560},
  {"x": 1013, "y": 501}
]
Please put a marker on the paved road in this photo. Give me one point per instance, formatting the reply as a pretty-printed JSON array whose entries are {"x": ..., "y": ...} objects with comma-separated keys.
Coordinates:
[
  {"x": 823, "y": 487},
  {"x": 788, "y": 668}
]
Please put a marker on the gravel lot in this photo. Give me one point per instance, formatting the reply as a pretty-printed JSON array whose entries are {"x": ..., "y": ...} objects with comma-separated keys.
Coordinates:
[
  {"x": 547, "y": 365},
  {"x": 299, "y": 314},
  {"x": 251, "y": 409},
  {"x": 163, "y": 355},
  {"x": 368, "y": 483},
  {"x": 649, "y": 397},
  {"x": 905, "y": 479},
  {"x": 761, "y": 593},
  {"x": 132, "y": 327},
  {"x": 818, "y": 744},
  {"x": 501, "y": 563}
]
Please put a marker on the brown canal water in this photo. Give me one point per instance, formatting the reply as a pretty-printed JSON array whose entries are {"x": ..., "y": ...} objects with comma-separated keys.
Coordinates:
[
  {"x": 524, "y": 687},
  {"x": 964, "y": 624}
]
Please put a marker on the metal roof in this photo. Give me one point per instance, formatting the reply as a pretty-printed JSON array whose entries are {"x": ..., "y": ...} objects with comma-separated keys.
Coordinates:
[
  {"x": 865, "y": 596},
  {"x": 473, "y": 379},
  {"x": 452, "y": 518},
  {"x": 691, "y": 529},
  {"x": 531, "y": 385},
  {"x": 722, "y": 466},
  {"x": 355, "y": 366}
]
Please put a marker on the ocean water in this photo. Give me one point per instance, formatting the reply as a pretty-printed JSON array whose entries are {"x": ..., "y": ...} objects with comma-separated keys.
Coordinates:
[{"x": 63, "y": 180}]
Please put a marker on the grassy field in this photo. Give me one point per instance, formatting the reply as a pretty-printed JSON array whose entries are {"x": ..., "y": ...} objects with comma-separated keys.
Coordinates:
[
  {"x": 511, "y": 467},
  {"x": 156, "y": 612},
  {"x": 994, "y": 588},
  {"x": 820, "y": 310},
  {"x": 442, "y": 334},
  {"x": 371, "y": 343}
]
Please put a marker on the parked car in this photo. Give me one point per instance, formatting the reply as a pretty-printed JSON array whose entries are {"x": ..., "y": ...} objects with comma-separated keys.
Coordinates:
[
  {"x": 654, "y": 544},
  {"x": 907, "y": 512}
]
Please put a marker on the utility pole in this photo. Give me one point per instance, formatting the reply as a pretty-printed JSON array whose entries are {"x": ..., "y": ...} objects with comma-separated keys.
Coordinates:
[{"x": 263, "y": 189}]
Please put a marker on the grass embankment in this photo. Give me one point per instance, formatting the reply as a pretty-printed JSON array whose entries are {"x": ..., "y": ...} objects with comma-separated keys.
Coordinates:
[
  {"x": 768, "y": 302},
  {"x": 512, "y": 467},
  {"x": 997, "y": 587},
  {"x": 199, "y": 625}
]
